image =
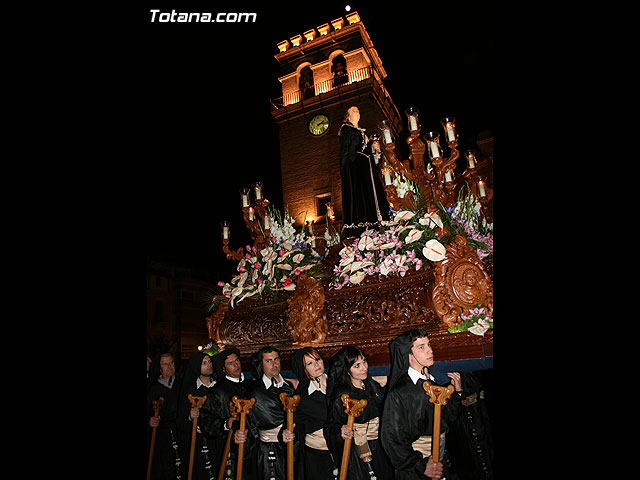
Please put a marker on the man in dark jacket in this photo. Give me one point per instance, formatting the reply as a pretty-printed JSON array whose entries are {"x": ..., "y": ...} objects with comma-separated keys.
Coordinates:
[{"x": 163, "y": 383}]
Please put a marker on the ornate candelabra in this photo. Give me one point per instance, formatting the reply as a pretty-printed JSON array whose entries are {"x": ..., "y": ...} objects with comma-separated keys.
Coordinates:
[
  {"x": 436, "y": 184},
  {"x": 258, "y": 222}
]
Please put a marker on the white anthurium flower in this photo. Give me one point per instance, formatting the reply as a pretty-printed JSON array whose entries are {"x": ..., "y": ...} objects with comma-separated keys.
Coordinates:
[
  {"x": 386, "y": 246},
  {"x": 308, "y": 266},
  {"x": 297, "y": 258},
  {"x": 480, "y": 327},
  {"x": 267, "y": 267},
  {"x": 433, "y": 250},
  {"x": 291, "y": 287},
  {"x": 357, "y": 277},
  {"x": 236, "y": 291},
  {"x": 400, "y": 259},
  {"x": 431, "y": 220},
  {"x": 356, "y": 266},
  {"x": 273, "y": 269},
  {"x": 243, "y": 278},
  {"x": 366, "y": 243},
  {"x": 347, "y": 260},
  {"x": 284, "y": 266},
  {"x": 413, "y": 236},
  {"x": 385, "y": 267},
  {"x": 403, "y": 216}
]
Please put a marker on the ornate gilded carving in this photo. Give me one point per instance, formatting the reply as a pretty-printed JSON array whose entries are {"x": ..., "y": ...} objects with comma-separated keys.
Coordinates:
[
  {"x": 306, "y": 312},
  {"x": 461, "y": 283}
]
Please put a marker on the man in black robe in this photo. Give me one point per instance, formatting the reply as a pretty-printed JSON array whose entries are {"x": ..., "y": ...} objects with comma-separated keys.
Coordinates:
[
  {"x": 215, "y": 421},
  {"x": 198, "y": 379},
  {"x": 364, "y": 201},
  {"x": 266, "y": 433},
  {"x": 407, "y": 420},
  {"x": 166, "y": 464}
]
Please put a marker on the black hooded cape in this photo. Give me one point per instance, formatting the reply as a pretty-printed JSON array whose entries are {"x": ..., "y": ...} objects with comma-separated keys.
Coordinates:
[{"x": 408, "y": 415}]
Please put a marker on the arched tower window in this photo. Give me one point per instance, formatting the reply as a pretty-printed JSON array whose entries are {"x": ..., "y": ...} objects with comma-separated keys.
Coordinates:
[
  {"x": 339, "y": 70},
  {"x": 305, "y": 82}
]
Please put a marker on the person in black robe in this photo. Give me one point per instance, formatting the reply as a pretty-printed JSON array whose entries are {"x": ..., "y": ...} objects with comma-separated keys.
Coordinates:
[
  {"x": 166, "y": 463},
  {"x": 469, "y": 440},
  {"x": 315, "y": 461},
  {"x": 348, "y": 374},
  {"x": 266, "y": 433},
  {"x": 215, "y": 420},
  {"x": 198, "y": 379},
  {"x": 364, "y": 202},
  {"x": 407, "y": 422}
]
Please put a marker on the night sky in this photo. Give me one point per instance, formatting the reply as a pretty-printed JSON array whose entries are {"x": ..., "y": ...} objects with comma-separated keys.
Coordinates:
[{"x": 210, "y": 130}]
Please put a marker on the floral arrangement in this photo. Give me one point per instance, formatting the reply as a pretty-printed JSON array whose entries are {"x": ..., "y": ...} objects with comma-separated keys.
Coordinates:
[
  {"x": 465, "y": 219},
  {"x": 211, "y": 348},
  {"x": 401, "y": 244},
  {"x": 286, "y": 256},
  {"x": 477, "y": 322}
]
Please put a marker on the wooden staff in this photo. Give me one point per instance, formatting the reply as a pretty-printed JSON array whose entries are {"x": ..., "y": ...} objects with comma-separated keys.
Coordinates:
[
  {"x": 353, "y": 408},
  {"x": 196, "y": 402},
  {"x": 438, "y": 396},
  {"x": 227, "y": 446},
  {"x": 242, "y": 406},
  {"x": 156, "y": 405},
  {"x": 289, "y": 405}
]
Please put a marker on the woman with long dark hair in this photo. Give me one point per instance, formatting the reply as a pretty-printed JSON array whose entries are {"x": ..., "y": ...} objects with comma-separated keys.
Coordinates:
[{"x": 348, "y": 373}]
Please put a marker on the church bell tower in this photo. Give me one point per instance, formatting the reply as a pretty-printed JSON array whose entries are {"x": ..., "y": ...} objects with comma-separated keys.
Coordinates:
[{"x": 323, "y": 72}]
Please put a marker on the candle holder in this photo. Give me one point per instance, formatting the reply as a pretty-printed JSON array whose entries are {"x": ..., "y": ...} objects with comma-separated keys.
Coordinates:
[
  {"x": 226, "y": 238},
  {"x": 472, "y": 162},
  {"x": 412, "y": 120},
  {"x": 386, "y": 135},
  {"x": 257, "y": 190},
  {"x": 244, "y": 197},
  {"x": 450, "y": 134}
]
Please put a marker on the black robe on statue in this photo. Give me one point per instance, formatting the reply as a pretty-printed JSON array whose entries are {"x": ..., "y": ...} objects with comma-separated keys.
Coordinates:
[
  {"x": 356, "y": 167},
  {"x": 310, "y": 416},
  {"x": 167, "y": 460},
  {"x": 205, "y": 457},
  {"x": 267, "y": 413}
]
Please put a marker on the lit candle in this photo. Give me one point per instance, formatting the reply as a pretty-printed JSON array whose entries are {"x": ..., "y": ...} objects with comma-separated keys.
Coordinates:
[
  {"x": 258, "y": 190},
  {"x": 413, "y": 125},
  {"x": 313, "y": 242},
  {"x": 244, "y": 195},
  {"x": 387, "y": 136},
  {"x": 451, "y": 134},
  {"x": 387, "y": 176},
  {"x": 251, "y": 214},
  {"x": 447, "y": 176},
  {"x": 481, "y": 191},
  {"x": 225, "y": 230},
  {"x": 267, "y": 225},
  {"x": 310, "y": 225},
  {"x": 472, "y": 159},
  {"x": 435, "y": 152}
]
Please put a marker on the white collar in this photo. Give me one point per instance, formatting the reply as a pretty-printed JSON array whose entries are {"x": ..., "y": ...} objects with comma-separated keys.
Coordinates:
[
  {"x": 312, "y": 386},
  {"x": 199, "y": 383},
  {"x": 415, "y": 375},
  {"x": 237, "y": 380},
  {"x": 267, "y": 381}
]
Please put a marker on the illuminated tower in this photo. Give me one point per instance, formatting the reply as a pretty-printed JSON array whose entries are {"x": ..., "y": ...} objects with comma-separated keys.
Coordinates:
[{"x": 323, "y": 72}]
